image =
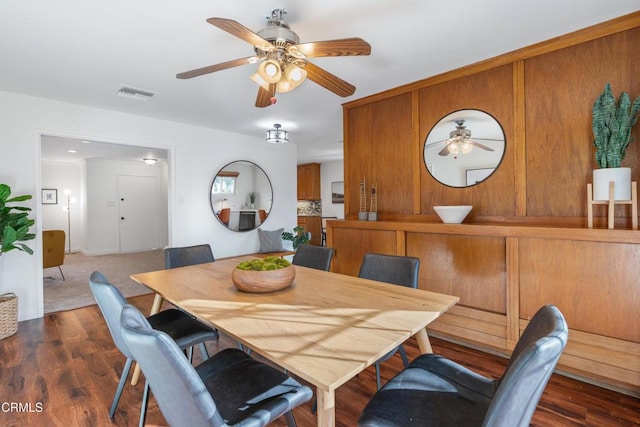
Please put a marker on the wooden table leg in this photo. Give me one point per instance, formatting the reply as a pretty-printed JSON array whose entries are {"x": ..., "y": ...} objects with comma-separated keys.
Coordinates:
[
  {"x": 423, "y": 341},
  {"x": 155, "y": 307},
  {"x": 326, "y": 408}
]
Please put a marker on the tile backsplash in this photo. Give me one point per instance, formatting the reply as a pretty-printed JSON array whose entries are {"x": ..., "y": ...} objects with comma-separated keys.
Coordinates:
[{"x": 309, "y": 207}]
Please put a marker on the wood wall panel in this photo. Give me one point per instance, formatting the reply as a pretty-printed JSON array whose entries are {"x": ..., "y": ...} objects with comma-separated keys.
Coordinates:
[
  {"x": 470, "y": 267},
  {"x": 560, "y": 89},
  {"x": 594, "y": 284},
  {"x": 380, "y": 151},
  {"x": 490, "y": 91},
  {"x": 354, "y": 243}
]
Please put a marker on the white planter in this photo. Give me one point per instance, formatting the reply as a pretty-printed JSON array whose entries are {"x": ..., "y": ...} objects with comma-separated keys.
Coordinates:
[{"x": 621, "y": 178}]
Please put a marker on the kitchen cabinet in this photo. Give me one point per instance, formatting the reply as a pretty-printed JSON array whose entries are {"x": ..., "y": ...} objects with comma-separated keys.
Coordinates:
[{"x": 309, "y": 181}]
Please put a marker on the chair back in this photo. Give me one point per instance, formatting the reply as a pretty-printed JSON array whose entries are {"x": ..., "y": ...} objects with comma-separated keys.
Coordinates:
[
  {"x": 187, "y": 255},
  {"x": 394, "y": 269},
  {"x": 53, "y": 248},
  {"x": 181, "y": 395},
  {"x": 262, "y": 215},
  {"x": 318, "y": 257},
  {"x": 531, "y": 364},
  {"x": 111, "y": 302},
  {"x": 224, "y": 215}
]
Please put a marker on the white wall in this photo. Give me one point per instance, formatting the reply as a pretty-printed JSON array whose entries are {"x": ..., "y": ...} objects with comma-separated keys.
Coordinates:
[
  {"x": 62, "y": 176},
  {"x": 331, "y": 172},
  {"x": 195, "y": 155}
]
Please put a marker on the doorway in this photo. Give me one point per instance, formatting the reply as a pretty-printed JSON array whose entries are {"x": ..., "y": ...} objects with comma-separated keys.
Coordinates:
[{"x": 98, "y": 175}]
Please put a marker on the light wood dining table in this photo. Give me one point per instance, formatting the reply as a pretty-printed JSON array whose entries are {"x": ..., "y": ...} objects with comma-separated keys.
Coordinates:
[{"x": 325, "y": 328}]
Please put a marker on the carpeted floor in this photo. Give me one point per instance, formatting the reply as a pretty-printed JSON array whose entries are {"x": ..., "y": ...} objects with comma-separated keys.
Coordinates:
[{"x": 74, "y": 292}]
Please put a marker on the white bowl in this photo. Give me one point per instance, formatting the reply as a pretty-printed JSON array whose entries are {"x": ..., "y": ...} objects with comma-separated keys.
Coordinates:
[{"x": 452, "y": 214}]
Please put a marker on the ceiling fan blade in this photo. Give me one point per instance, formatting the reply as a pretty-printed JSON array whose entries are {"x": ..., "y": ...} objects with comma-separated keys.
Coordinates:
[
  {"x": 477, "y": 144},
  {"x": 212, "y": 68},
  {"x": 445, "y": 151},
  {"x": 329, "y": 81},
  {"x": 265, "y": 96},
  {"x": 236, "y": 29},
  {"x": 340, "y": 47}
]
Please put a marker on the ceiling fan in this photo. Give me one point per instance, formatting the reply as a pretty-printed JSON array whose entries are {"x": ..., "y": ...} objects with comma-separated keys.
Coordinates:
[
  {"x": 460, "y": 142},
  {"x": 284, "y": 63}
]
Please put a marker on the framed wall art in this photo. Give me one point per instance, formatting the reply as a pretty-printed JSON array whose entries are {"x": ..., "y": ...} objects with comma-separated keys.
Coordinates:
[
  {"x": 337, "y": 192},
  {"x": 49, "y": 196}
]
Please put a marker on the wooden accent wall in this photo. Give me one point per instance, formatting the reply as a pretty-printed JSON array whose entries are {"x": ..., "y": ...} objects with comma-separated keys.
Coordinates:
[
  {"x": 526, "y": 241},
  {"x": 541, "y": 95}
]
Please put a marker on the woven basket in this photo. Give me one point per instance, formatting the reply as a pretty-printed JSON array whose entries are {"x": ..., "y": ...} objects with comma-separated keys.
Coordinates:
[{"x": 8, "y": 315}]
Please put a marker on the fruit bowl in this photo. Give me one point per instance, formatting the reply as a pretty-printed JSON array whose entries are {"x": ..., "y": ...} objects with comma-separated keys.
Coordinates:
[
  {"x": 276, "y": 275},
  {"x": 454, "y": 214}
]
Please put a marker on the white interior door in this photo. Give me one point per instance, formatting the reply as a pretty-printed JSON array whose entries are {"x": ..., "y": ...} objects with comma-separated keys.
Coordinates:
[{"x": 139, "y": 208}]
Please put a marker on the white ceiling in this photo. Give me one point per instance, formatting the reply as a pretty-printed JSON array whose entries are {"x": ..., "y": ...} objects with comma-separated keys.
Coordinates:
[{"x": 82, "y": 51}]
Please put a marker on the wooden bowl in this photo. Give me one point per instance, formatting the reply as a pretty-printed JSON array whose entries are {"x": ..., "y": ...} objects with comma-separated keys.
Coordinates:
[{"x": 263, "y": 281}]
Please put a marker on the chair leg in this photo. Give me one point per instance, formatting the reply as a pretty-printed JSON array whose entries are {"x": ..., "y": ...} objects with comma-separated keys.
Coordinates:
[
  {"x": 291, "y": 422},
  {"x": 403, "y": 355},
  {"x": 378, "y": 376},
  {"x": 190, "y": 354},
  {"x": 203, "y": 351},
  {"x": 143, "y": 406},
  {"x": 61, "y": 273},
  {"x": 314, "y": 407},
  {"x": 123, "y": 380}
]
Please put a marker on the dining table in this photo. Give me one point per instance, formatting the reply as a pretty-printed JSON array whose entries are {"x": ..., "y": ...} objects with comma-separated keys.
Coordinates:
[{"x": 325, "y": 328}]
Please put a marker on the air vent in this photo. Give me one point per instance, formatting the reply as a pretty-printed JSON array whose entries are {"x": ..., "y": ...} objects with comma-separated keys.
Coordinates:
[{"x": 133, "y": 93}]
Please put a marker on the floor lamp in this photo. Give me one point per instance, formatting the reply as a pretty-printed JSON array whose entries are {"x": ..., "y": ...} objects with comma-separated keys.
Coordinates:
[{"x": 67, "y": 208}]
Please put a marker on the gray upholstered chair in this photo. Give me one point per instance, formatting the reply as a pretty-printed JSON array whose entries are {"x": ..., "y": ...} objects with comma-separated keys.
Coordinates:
[
  {"x": 435, "y": 391},
  {"x": 397, "y": 270},
  {"x": 187, "y": 255},
  {"x": 180, "y": 326},
  {"x": 318, "y": 257},
  {"x": 182, "y": 256},
  {"x": 229, "y": 388}
]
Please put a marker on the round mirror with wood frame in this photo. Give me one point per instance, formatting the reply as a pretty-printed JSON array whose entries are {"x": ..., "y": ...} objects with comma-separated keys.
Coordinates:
[
  {"x": 241, "y": 196},
  {"x": 464, "y": 148}
]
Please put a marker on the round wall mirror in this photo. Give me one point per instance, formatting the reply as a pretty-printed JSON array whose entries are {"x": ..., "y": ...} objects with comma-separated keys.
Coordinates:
[
  {"x": 241, "y": 196},
  {"x": 464, "y": 148}
]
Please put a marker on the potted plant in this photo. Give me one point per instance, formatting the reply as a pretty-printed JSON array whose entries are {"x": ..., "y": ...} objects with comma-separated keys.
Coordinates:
[
  {"x": 612, "y": 123},
  {"x": 252, "y": 199},
  {"x": 267, "y": 274},
  {"x": 298, "y": 237},
  {"x": 14, "y": 222}
]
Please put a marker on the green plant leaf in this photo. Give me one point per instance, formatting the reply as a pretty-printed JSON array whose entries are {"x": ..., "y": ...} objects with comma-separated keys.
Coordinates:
[{"x": 14, "y": 222}]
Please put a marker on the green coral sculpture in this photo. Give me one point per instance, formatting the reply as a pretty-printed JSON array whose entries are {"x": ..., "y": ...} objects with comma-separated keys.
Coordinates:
[
  {"x": 14, "y": 222},
  {"x": 612, "y": 126},
  {"x": 264, "y": 264}
]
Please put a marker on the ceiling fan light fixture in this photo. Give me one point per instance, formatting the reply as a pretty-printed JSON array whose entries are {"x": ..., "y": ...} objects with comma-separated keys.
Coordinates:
[
  {"x": 295, "y": 73},
  {"x": 293, "y": 77},
  {"x": 277, "y": 135},
  {"x": 256, "y": 77},
  {"x": 270, "y": 71}
]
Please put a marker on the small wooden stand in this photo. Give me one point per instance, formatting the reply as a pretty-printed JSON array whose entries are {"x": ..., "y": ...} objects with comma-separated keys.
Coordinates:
[{"x": 612, "y": 203}]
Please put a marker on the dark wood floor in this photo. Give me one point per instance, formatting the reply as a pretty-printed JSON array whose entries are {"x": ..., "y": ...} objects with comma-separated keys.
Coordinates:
[{"x": 63, "y": 371}]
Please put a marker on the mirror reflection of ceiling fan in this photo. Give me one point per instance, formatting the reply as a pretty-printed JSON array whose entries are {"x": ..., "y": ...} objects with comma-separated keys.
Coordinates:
[
  {"x": 284, "y": 63},
  {"x": 460, "y": 142}
]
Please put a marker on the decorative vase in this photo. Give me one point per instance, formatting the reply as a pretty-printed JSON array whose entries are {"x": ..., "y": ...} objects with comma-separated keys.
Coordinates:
[
  {"x": 263, "y": 281},
  {"x": 621, "y": 178}
]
